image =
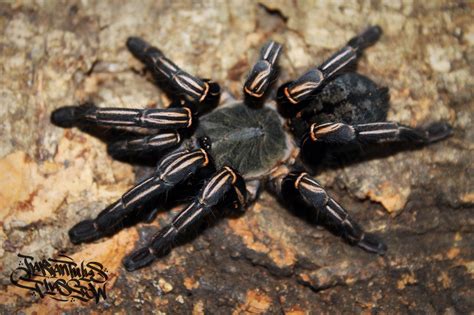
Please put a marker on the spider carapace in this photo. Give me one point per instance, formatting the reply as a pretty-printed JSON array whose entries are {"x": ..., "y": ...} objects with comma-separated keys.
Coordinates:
[{"x": 247, "y": 145}]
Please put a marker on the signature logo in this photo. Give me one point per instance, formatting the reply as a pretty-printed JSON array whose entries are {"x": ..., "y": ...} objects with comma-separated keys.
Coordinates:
[{"x": 61, "y": 278}]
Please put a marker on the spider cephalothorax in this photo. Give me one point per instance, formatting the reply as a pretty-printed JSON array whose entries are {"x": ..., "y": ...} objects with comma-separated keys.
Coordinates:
[
  {"x": 241, "y": 145},
  {"x": 250, "y": 140}
]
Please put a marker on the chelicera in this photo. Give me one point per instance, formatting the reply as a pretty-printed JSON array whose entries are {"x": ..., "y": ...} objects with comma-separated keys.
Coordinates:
[{"x": 242, "y": 147}]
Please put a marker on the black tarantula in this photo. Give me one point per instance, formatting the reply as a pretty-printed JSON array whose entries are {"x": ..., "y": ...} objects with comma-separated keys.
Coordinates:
[{"x": 243, "y": 146}]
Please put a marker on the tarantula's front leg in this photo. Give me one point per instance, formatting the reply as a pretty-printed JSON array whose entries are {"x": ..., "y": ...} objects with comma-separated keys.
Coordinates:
[
  {"x": 340, "y": 133},
  {"x": 171, "y": 170},
  {"x": 262, "y": 74},
  {"x": 222, "y": 183},
  {"x": 291, "y": 94},
  {"x": 144, "y": 145},
  {"x": 195, "y": 91},
  {"x": 169, "y": 118},
  {"x": 313, "y": 195}
]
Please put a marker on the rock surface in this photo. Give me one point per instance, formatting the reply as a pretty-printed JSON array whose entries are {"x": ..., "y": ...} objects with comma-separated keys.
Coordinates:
[{"x": 267, "y": 261}]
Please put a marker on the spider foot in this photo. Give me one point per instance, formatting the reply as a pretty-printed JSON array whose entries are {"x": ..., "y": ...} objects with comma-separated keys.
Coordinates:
[
  {"x": 438, "y": 131},
  {"x": 373, "y": 244},
  {"x": 367, "y": 38},
  {"x": 84, "y": 231},
  {"x": 142, "y": 50},
  {"x": 69, "y": 116},
  {"x": 138, "y": 259},
  {"x": 159, "y": 246}
]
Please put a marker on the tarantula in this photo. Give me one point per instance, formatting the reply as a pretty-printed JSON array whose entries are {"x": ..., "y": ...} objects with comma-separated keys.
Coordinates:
[{"x": 242, "y": 146}]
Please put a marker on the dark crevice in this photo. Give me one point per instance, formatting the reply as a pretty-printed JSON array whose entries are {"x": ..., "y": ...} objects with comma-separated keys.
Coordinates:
[
  {"x": 91, "y": 69},
  {"x": 318, "y": 289},
  {"x": 274, "y": 12}
]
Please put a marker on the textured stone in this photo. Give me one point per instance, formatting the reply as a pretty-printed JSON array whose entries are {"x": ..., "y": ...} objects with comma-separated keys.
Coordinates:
[{"x": 420, "y": 201}]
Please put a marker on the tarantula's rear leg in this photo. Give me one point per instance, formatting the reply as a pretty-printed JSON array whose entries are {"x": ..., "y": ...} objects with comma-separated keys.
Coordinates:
[
  {"x": 263, "y": 74},
  {"x": 313, "y": 195},
  {"x": 340, "y": 133},
  {"x": 200, "y": 94},
  {"x": 222, "y": 183},
  {"x": 171, "y": 170},
  {"x": 293, "y": 93}
]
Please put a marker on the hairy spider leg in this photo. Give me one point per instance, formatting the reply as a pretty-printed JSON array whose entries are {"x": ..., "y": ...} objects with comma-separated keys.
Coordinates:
[
  {"x": 340, "y": 133},
  {"x": 292, "y": 93},
  {"x": 171, "y": 170},
  {"x": 144, "y": 145},
  {"x": 168, "y": 118},
  {"x": 213, "y": 191},
  {"x": 198, "y": 94},
  {"x": 262, "y": 74},
  {"x": 313, "y": 195}
]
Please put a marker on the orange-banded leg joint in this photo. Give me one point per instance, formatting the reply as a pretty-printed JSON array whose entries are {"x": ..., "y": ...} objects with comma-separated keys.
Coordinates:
[{"x": 262, "y": 74}]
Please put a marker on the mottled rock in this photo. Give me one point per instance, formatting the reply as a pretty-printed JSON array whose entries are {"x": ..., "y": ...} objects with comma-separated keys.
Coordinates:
[{"x": 266, "y": 261}]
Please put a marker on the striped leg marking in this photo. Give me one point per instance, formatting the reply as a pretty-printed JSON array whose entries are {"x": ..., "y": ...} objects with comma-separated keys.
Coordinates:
[
  {"x": 168, "y": 118},
  {"x": 209, "y": 196},
  {"x": 171, "y": 170},
  {"x": 193, "y": 89},
  {"x": 315, "y": 196},
  {"x": 143, "y": 51},
  {"x": 377, "y": 132},
  {"x": 299, "y": 90},
  {"x": 147, "y": 144},
  {"x": 263, "y": 72},
  {"x": 185, "y": 85}
]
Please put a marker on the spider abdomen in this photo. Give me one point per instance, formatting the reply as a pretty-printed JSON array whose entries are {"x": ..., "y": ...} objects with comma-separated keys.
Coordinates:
[
  {"x": 350, "y": 98},
  {"x": 250, "y": 140}
]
